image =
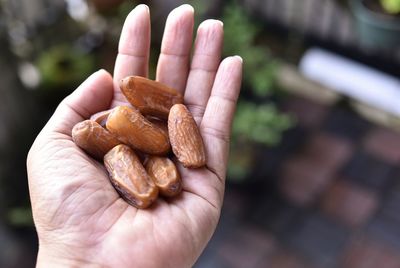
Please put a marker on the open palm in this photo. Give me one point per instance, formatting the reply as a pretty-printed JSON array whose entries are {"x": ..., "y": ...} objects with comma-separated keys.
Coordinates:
[{"x": 80, "y": 218}]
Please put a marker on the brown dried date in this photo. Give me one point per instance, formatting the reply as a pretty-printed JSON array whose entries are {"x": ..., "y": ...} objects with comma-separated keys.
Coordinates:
[
  {"x": 150, "y": 97},
  {"x": 101, "y": 117},
  {"x": 129, "y": 177},
  {"x": 93, "y": 138},
  {"x": 186, "y": 141},
  {"x": 165, "y": 175},
  {"x": 133, "y": 129}
]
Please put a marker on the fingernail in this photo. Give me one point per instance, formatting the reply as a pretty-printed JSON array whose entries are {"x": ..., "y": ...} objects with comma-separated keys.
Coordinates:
[
  {"x": 211, "y": 22},
  {"x": 239, "y": 58},
  {"x": 98, "y": 72},
  {"x": 187, "y": 7},
  {"x": 142, "y": 7},
  {"x": 220, "y": 22},
  {"x": 101, "y": 71}
]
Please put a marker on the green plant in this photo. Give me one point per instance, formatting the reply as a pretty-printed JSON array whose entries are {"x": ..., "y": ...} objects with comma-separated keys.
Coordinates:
[
  {"x": 254, "y": 123},
  {"x": 64, "y": 66},
  {"x": 259, "y": 77},
  {"x": 259, "y": 123},
  {"x": 240, "y": 33},
  {"x": 391, "y": 6}
]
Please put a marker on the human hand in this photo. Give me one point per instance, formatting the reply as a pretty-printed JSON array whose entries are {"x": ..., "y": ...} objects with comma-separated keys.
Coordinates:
[{"x": 79, "y": 217}]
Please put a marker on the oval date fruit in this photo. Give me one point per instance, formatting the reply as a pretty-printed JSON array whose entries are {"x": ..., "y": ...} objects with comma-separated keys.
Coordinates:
[
  {"x": 165, "y": 175},
  {"x": 93, "y": 138},
  {"x": 129, "y": 177},
  {"x": 150, "y": 97},
  {"x": 101, "y": 117},
  {"x": 133, "y": 129},
  {"x": 186, "y": 141}
]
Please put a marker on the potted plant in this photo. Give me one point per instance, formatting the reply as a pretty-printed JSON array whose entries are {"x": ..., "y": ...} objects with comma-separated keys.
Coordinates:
[{"x": 378, "y": 22}]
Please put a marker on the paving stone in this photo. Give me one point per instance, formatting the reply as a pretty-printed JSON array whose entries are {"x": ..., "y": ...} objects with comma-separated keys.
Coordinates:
[
  {"x": 319, "y": 240},
  {"x": 308, "y": 114},
  {"x": 346, "y": 123},
  {"x": 386, "y": 230},
  {"x": 235, "y": 201},
  {"x": 302, "y": 181},
  {"x": 293, "y": 139},
  {"x": 285, "y": 259},
  {"x": 365, "y": 252},
  {"x": 246, "y": 247},
  {"x": 383, "y": 143},
  {"x": 277, "y": 217},
  {"x": 209, "y": 257},
  {"x": 391, "y": 204},
  {"x": 272, "y": 158},
  {"x": 255, "y": 191},
  {"x": 232, "y": 215},
  {"x": 209, "y": 261},
  {"x": 349, "y": 204},
  {"x": 369, "y": 171},
  {"x": 261, "y": 213},
  {"x": 385, "y": 225},
  {"x": 330, "y": 151}
]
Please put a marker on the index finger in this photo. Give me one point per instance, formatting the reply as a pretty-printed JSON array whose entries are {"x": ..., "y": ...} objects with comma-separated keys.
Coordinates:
[{"x": 133, "y": 49}]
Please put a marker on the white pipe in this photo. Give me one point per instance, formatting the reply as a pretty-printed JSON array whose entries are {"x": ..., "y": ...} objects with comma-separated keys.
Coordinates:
[{"x": 352, "y": 79}]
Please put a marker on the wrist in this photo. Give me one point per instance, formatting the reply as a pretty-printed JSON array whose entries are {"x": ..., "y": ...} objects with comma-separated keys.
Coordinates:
[{"x": 55, "y": 256}]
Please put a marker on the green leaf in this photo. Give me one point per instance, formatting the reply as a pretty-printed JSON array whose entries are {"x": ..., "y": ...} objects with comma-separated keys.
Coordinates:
[
  {"x": 240, "y": 35},
  {"x": 63, "y": 65},
  {"x": 391, "y": 6},
  {"x": 259, "y": 123}
]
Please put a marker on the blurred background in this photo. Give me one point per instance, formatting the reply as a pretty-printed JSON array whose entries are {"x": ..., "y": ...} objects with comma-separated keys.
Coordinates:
[{"x": 313, "y": 177}]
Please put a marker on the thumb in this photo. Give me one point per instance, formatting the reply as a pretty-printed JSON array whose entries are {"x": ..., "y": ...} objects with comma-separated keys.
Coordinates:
[
  {"x": 93, "y": 95},
  {"x": 47, "y": 157}
]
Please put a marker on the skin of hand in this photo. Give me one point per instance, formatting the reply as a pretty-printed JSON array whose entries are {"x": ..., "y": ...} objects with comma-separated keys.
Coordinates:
[{"x": 79, "y": 217}]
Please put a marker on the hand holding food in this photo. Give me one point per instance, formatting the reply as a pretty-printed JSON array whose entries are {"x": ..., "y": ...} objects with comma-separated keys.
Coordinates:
[{"x": 127, "y": 125}]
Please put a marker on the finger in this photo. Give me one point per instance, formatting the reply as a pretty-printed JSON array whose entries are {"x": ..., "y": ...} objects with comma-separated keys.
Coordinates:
[
  {"x": 205, "y": 61},
  {"x": 173, "y": 64},
  {"x": 216, "y": 124},
  {"x": 133, "y": 48},
  {"x": 92, "y": 96}
]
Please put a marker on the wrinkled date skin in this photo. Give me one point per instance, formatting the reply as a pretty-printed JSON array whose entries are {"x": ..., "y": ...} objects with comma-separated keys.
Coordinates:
[
  {"x": 133, "y": 129},
  {"x": 162, "y": 124},
  {"x": 93, "y": 138},
  {"x": 150, "y": 97},
  {"x": 129, "y": 177},
  {"x": 186, "y": 141},
  {"x": 101, "y": 117},
  {"x": 125, "y": 137},
  {"x": 165, "y": 175}
]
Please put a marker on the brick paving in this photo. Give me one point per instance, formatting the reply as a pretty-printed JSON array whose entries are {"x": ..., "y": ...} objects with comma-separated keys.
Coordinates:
[
  {"x": 328, "y": 196},
  {"x": 302, "y": 181},
  {"x": 365, "y": 252},
  {"x": 383, "y": 143},
  {"x": 349, "y": 204}
]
